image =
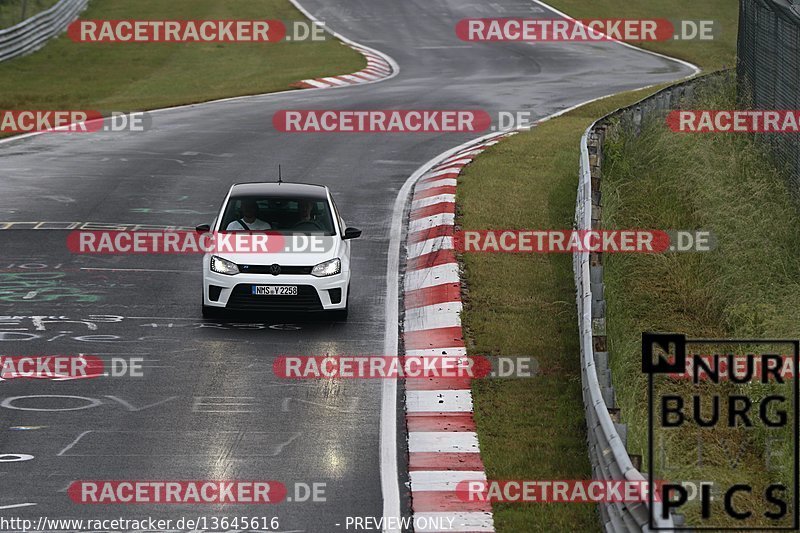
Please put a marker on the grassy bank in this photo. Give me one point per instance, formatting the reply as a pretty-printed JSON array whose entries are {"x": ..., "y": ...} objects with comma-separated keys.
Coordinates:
[
  {"x": 15, "y": 11},
  {"x": 748, "y": 287},
  {"x": 525, "y": 305},
  {"x": 126, "y": 77}
]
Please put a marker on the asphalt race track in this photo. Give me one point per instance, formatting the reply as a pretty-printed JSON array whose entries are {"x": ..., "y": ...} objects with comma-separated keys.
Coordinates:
[{"x": 208, "y": 405}]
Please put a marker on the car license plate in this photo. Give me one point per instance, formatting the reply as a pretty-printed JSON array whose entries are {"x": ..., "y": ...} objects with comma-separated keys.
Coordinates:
[{"x": 275, "y": 290}]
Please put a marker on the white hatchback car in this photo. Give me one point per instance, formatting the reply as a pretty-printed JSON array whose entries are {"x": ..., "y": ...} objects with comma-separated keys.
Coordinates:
[{"x": 310, "y": 271}]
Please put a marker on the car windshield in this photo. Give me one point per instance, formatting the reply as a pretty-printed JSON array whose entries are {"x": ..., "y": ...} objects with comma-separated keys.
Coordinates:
[{"x": 282, "y": 214}]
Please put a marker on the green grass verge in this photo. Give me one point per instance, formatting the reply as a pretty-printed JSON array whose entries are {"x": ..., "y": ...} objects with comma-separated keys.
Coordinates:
[
  {"x": 129, "y": 77},
  {"x": 13, "y": 12},
  {"x": 525, "y": 305},
  {"x": 748, "y": 287},
  {"x": 710, "y": 55}
]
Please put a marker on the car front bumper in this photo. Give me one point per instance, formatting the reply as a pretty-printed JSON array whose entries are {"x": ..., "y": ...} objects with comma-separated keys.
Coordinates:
[{"x": 314, "y": 294}]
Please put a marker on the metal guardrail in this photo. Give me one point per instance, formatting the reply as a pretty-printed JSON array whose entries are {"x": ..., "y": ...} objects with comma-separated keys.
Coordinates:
[
  {"x": 606, "y": 434},
  {"x": 31, "y": 34},
  {"x": 607, "y": 453}
]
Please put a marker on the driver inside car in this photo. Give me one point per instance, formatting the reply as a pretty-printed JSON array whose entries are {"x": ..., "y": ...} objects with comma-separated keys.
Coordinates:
[
  {"x": 249, "y": 220},
  {"x": 305, "y": 209},
  {"x": 307, "y": 220}
]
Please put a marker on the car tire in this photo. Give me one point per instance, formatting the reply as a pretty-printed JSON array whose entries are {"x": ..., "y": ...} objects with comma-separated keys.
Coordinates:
[
  {"x": 339, "y": 315},
  {"x": 211, "y": 312}
]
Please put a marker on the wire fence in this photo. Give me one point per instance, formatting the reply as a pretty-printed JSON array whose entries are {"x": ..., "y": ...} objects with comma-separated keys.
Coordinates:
[{"x": 768, "y": 70}]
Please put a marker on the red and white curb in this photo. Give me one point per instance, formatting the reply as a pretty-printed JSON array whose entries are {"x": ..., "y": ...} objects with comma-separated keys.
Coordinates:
[
  {"x": 442, "y": 439},
  {"x": 378, "y": 68}
]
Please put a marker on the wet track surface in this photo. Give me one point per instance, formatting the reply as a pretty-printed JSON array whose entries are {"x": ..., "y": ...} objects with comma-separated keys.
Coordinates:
[{"x": 208, "y": 405}]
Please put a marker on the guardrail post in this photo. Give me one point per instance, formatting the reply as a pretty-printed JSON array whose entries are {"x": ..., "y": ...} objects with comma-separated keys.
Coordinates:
[
  {"x": 637, "y": 120},
  {"x": 689, "y": 93}
]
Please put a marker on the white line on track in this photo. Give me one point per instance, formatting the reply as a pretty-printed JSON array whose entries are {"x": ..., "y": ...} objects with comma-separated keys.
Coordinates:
[
  {"x": 16, "y": 506},
  {"x": 73, "y": 443}
]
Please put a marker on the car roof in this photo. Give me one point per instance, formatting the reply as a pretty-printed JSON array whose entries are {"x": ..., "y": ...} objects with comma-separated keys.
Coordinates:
[{"x": 280, "y": 189}]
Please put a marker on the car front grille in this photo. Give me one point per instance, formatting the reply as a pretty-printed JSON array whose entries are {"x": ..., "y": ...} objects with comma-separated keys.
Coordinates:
[
  {"x": 242, "y": 299},
  {"x": 285, "y": 269}
]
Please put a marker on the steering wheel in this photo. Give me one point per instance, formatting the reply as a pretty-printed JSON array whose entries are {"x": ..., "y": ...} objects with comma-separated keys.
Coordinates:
[{"x": 308, "y": 225}]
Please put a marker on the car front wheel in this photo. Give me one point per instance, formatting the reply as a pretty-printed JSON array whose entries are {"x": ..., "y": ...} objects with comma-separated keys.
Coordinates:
[
  {"x": 210, "y": 312},
  {"x": 339, "y": 315}
]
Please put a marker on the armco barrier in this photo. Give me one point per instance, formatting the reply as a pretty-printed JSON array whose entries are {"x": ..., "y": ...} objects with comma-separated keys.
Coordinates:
[
  {"x": 606, "y": 434},
  {"x": 31, "y": 34}
]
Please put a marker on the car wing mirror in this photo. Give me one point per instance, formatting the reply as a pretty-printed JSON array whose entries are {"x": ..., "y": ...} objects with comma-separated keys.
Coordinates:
[
  {"x": 203, "y": 228},
  {"x": 351, "y": 233}
]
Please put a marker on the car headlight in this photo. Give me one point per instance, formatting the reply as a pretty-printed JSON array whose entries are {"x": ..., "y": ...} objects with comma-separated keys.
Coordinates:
[
  {"x": 328, "y": 268},
  {"x": 223, "y": 266}
]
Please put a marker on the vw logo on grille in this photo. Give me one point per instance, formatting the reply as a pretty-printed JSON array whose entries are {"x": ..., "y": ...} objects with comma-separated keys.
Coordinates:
[{"x": 275, "y": 269}]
